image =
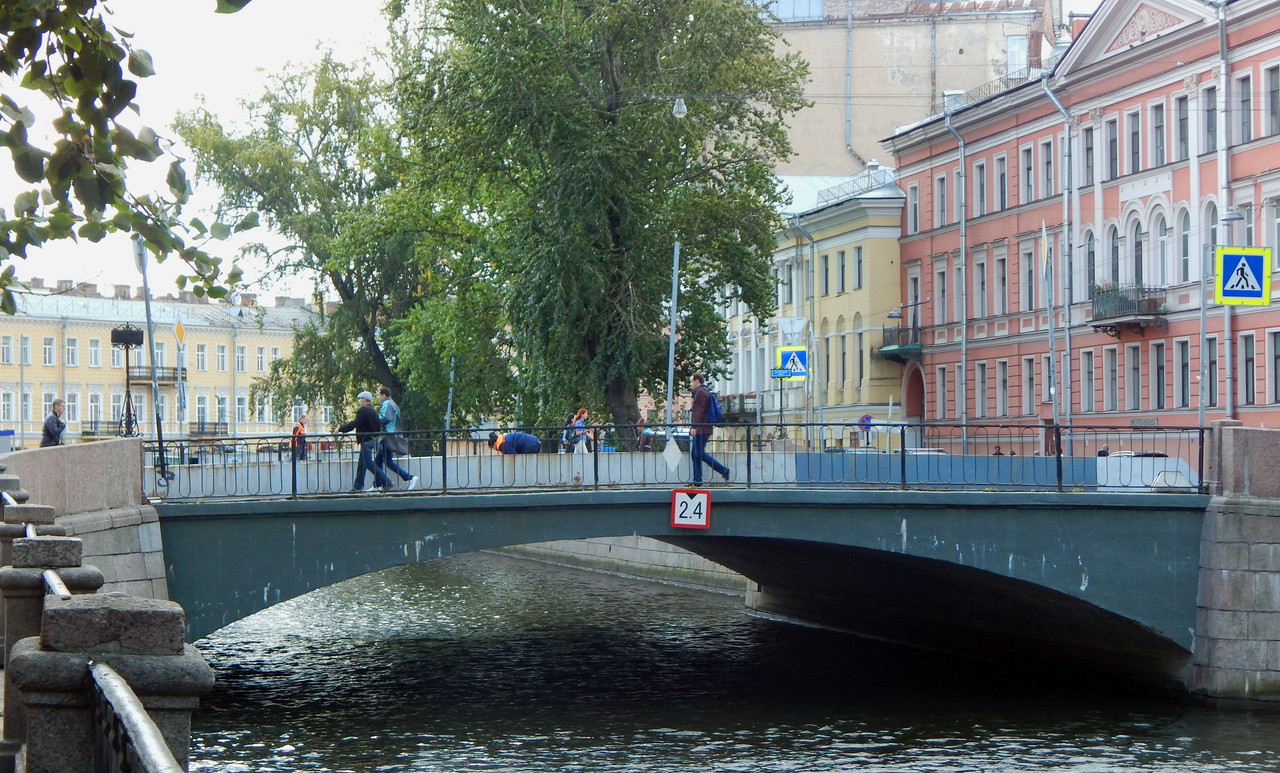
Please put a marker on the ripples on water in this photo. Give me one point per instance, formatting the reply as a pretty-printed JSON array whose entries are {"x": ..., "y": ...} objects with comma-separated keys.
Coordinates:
[{"x": 483, "y": 663}]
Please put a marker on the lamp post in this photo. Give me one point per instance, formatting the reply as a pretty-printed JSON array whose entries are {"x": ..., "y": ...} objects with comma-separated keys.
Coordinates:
[
  {"x": 679, "y": 111},
  {"x": 1206, "y": 266}
]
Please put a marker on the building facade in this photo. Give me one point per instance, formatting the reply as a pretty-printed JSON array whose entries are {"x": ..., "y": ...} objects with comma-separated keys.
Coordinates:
[
  {"x": 59, "y": 345},
  {"x": 876, "y": 65},
  {"x": 1057, "y": 236}
]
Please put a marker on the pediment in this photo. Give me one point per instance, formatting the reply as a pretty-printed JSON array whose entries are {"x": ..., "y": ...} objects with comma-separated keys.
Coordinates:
[{"x": 1120, "y": 26}]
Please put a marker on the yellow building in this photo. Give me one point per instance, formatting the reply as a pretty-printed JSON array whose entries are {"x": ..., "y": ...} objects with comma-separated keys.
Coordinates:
[
  {"x": 59, "y": 345},
  {"x": 837, "y": 263}
]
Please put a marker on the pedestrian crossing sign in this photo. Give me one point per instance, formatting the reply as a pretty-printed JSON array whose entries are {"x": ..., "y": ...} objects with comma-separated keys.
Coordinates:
[
  {"x": 1243, "y": 276},
  {"x": 794, "y": 359}
]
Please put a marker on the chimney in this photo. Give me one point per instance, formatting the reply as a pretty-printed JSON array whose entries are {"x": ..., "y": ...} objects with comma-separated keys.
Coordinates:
[
  {"x": 36, "y": 283},
  {"x": 248, "y": 299},
  {"x": 121, "y": 292},
  {"x": 64, "y": 285},
  {"x": 140, "y": 293},
  {"x": 89, "y": 291}
]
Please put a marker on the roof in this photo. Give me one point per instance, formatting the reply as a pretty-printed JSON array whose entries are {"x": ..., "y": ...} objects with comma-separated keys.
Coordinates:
[{"x": 165, "y": 312}]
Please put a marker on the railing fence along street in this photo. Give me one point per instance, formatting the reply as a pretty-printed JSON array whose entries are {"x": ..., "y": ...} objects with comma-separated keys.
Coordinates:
[{"x": 1025, "y": 456}]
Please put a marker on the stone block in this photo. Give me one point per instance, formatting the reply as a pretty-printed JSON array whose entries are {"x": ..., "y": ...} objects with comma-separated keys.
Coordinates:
[
  {"x": 112, "y": 622},
  {"x": 1222, "y": 624},
  {"x": 1260, "y": 526},
  {"x": 28, "y": 513},
  {"x": 149, "y": 537},
  {"x": 1224, "y": 555},
  {"x": 50, "y": 552},
  {"x": 1264, "y": 625},
  {"x": 130, "y": 566},
  {"x": 1264, "y": 557},
  {"x": 1238, "y": 654},
  {"x": 1266, "y": 593}
]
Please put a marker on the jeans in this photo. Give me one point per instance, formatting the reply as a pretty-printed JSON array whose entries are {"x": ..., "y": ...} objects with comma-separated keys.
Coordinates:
[
  {"x": 366, "y": 463},
  {"x": 698, "y": 454},
  {"x": 384, "y": 458}
]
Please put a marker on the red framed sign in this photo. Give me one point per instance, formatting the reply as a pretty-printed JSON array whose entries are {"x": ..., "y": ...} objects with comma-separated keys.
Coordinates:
[{"x": 690, "y": 508}]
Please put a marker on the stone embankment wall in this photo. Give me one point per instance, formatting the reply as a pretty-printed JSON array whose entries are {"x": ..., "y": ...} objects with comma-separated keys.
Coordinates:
[
  {"x": 1237, "y": 641},
  {"x": 95, "y": 490},
  {"x": 640, "y": 557}
]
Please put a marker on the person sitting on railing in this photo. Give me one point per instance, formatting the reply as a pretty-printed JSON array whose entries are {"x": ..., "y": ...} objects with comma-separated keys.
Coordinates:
[{"x": 514, "y": 443}]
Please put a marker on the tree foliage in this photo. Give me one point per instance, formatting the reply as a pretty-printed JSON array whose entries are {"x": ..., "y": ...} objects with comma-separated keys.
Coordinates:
[
  {"x": 555, "y": 119},
  {"x": 70, "y": 58}
]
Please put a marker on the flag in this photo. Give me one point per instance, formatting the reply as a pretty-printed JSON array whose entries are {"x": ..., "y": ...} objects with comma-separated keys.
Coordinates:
[{"x": 1044, "y": 249}]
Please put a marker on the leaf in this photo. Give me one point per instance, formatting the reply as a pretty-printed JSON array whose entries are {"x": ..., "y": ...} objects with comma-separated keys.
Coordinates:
[
  {"x": 29, "y": 164},
  {"x": 7, "y": 303},
  {"x": 247, "y": 222},
  {"x": 230, "y": 6},
  {"x": 140, "y": 63},
  {"x": 220, "y": 231},
  {"x": 177, "y": 180},
  {"x": 25, "y": 203}
]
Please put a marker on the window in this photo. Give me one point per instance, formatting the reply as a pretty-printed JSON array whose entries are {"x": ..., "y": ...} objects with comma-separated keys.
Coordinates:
[
  {"x": 1002, "y": 286},
  {"x": 1184, "y": 247},
  {"x": 1210, "y": 119},
  {"x": 1002, "y": 388},
  {"x": 1091, "y": 261},
  {"x": 220, "y": 357},
  {"x": 857, "y": 268},
  {"x": 95, "y": 353},
  {"x": 1115, "y": 255},
  {"x": 826, "y": 287},
  {"x": 1212, "y": 376},
  {"x": 980, "y": 290},
  {"x": 841, "y": 270},
  {"x": 117, "y": 357},
  {"x": 71, "y": 356},
  {"x": 26, "y": 406},
  {"x": 241, "y": 355},
  {"x": 117, "y": 407},
  {"x": 202, "y": 409},
  {"x": 1087, "y": 159},
  {"x": 221, "y": 402},
  {"x": 46, "y": 403},
  {"x": 1028, "y": 181},
  {"x": 913, "y": 209},
  {"x": 1248, "y": 370},
  {"x": 202, "y": 357},
  {"x": 1135, "y": 143},
  {"x": 1046, "y": 166},
  {"x": 1046, "y": 380},
  {"x": 262, "y": 359},
  {"x": 1160, "y": 234},
  {"x": 980, "y": 408},
  {"x": 1246, "y": 211},
  {"x": 1111, "y": 386},
  {"x": 1087, "y": 385},
  {"x": 1135, "y": 242},
  {"x": 1273, "y": 101},
  {"x": 1182, "y": 393},
  {"x": 73, "y": 407},
  {"x": 1113, "y": 150},
  {"x": 939, "y": 201},
  {"x": 159, "y": 349},
  {"x": 940, "y": 297},
  {"x": 941, "y": 398},
  {"x": 844, "y": 361},
  {"x": 48, "y": 350},
  {"x": 95, "y": 407},
  {"x": 1028, "y": 385},
  {"x": 1245, "y": 90},
  {"x": 979, "y": 189},
  {"x": 1016, "y": 46},
  {"x": 1133, "y": 377},
  {"x": 1275, "y": 367},
  {"x": 1157, "y": 376},
  {"x": 6, "y": 350},
  {"x": 242, "y": 409},
  {"x": 1028, "y": 281},
  {"x": 1182, "y": 109},
  {"x": 1157, "y": 135},
  {"x": 1002, "y": 184},
  {"x": 24, "y": 350}
]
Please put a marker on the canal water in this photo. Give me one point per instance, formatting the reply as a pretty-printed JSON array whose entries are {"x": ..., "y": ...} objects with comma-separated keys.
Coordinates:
[{"x": 485, "y": 663}]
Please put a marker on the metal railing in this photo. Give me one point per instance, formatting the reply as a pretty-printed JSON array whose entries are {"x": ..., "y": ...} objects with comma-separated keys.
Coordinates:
[
  {"x": 1019, "y": 456},
  {"x": 125, "y": 738},
  {"x": 1111, "y": 301},
  {"x": 163, "y": 373}
]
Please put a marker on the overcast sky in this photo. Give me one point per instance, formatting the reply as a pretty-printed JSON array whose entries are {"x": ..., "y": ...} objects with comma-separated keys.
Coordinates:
[{"x": 222, "y": 59}]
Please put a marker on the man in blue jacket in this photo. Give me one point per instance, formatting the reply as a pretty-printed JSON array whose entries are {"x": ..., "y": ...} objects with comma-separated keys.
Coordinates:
[
  {"x": 367, "y": 429},
  {"x": 514, "y": 443}
]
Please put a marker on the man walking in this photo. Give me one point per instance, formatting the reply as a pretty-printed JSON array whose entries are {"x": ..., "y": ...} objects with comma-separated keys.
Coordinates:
[
  {"x": 367, "y": 428},
  {"x": 389, "y": 416},
  {"x": 54, "y": 426},
  {"x": 701, "y": 431},
  {"x": 298, "y": 445}
]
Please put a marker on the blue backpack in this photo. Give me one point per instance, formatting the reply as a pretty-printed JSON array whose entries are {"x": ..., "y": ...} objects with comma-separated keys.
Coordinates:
[{"x": 713, "y": 409}]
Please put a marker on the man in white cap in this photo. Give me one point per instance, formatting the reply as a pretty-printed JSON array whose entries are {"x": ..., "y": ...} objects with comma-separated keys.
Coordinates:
[{"x": 367, "y": 428}]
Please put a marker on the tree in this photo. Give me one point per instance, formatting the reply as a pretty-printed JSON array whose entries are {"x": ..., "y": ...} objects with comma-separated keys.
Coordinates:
[
  {"x": 556, "y": 119},
  {"x": 75, "y": 61},
  {"x": 323, "y": 161}
]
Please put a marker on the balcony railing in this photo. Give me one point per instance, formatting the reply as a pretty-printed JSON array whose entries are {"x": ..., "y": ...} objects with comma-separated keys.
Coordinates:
[
  {"x": 1129, "y": 307},
  {"x": 208, "y": 428},
  {"x": 900, "y": 344}
]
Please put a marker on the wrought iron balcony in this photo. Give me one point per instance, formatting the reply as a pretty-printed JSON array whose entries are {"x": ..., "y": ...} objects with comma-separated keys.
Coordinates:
[
  {"x": 901, "y": 344},
  {"x": 208, "y": 428},
  {"x": 1136, "y": 307}
]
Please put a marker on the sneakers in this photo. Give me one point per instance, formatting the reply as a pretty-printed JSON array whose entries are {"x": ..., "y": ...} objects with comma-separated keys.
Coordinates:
[
  {"x": 413, "y": 483},
  {"x": 725, "y": 474}
]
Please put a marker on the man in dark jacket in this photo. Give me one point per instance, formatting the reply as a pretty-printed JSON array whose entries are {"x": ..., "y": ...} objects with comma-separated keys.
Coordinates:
[
  {"x": 701, "y": 431},
  {"x": 367, "y": 427},
  {"x": 514, "y": 443},
  {"x": 54, "y": 426}
]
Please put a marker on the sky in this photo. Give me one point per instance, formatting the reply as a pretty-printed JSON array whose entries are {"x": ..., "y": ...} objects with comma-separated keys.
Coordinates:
[{"x": 220, "y": 59}]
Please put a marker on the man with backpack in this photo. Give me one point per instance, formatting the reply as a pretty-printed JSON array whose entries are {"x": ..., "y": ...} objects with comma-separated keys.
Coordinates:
[{"x": 704, "y": 415}]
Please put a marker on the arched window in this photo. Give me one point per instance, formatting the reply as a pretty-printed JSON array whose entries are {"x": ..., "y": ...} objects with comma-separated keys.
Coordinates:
[
  {"x": 1091, "y": 260},
  {"x": 1138, "y": 273},
  {"x": 1211, "y": 218},
  {"x": 1184, "y": 247},
  {"x": 1160, "y": 233},
  {"x": 1114, "y": 246}
]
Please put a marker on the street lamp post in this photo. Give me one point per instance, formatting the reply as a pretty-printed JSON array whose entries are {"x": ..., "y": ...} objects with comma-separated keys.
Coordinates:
[{"x": 679, "y": 111}]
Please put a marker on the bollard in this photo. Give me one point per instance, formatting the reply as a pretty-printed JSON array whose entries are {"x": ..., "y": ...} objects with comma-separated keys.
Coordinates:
[{"x": 142, "y": 639}]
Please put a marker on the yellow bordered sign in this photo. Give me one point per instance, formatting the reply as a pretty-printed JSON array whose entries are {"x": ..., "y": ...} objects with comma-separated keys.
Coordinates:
[
  {"x": 794, "y": 359},
  {"x": 1243, "y": 276}
]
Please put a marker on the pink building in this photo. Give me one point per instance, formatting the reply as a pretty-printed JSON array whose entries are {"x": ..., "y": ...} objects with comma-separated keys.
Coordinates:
[{"x": 1074, "y": 215}]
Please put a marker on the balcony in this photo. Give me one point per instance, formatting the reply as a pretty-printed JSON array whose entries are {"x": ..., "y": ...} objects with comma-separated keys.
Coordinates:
[
  {"x": 738, "y": 409},
  {"x": 1129, "y": 307},
  {"x": 208, "y": 428},
  {"x": 901, "y": 344},
  {"x": 163, "y": 375}
]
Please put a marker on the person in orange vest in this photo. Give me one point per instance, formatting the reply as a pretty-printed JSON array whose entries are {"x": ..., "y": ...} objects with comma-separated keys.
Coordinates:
[{"x": 298, "y": 446}]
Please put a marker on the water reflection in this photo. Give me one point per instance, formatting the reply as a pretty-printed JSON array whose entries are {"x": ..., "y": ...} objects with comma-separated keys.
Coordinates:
[{"x": 487, "y": 663}]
